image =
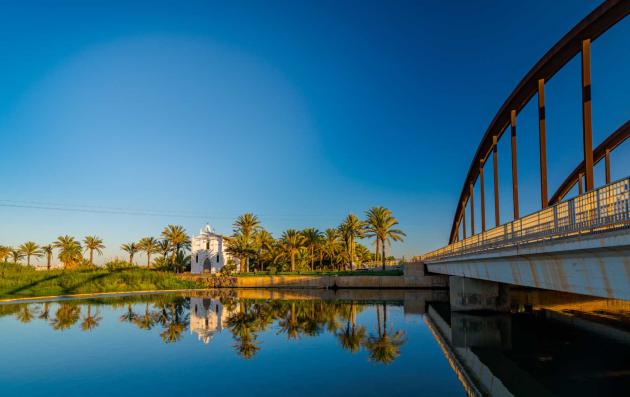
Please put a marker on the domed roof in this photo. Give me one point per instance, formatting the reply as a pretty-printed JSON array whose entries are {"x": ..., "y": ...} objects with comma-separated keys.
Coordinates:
[{"x": 207, "y": 229}]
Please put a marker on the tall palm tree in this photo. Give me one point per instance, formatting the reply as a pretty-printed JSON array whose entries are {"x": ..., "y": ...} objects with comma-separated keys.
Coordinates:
[
  {"x": 93, "y": 244},
  {"x": 263, "y": 241},
  {"x": 381, "y": 225},
  {"x": 131, "y": 249},
  {"x": 48, "y": 251},
  {"x": 292, "y": 240},
  {"x": 351, "y": 229},
  {"x": 330, "y": 244},
  {"x": 5, "y": 252},
  {"x": 150, "y": 246},
  {"x": 69, "y": 251},
  {"x": 163, "y": 247},
  {"x": 16, "y": 255},
  {"x": 246, "y": 225},
  {"x": 30, "y": 249},
  {"x": 177, "y": 238},
  {"x": 239, "y": 247},
  {"x": 312, "y": 240}
]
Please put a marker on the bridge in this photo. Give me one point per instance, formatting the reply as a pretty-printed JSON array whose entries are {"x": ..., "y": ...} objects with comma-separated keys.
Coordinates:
[{"x": 578, "y": 245}]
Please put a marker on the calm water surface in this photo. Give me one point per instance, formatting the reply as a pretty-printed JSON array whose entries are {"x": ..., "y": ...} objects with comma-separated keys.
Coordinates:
[{"x": 265, "y": 343}]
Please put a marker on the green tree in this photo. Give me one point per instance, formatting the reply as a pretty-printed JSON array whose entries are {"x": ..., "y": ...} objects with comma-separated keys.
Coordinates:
[
  {"x": 330, "y": 245},
  {"x": 69, "y": 251},
  {"x": 350, "y": 230},
  {"x": 30, "y": 249},
  {"x": 164, "y": 247},
  {"x": 131, "y": 249},
  {"x": 16, "y": 255},
  {"x": 93, "y": 244},
  {"x": 381, "y": 225},
  {"x": 150, "y": 246},
  {"x": 263, "y": 243},
  {"x": 292, "y": 240},
  {"x": 239, "y": 247},
  {"x": 48, "y": 251},
  {"x": 177, "y": 238},
  {"x": 5, "y": 252},
  {"x": 247, "y": 225},
  {"x": 312, "y": 241}
]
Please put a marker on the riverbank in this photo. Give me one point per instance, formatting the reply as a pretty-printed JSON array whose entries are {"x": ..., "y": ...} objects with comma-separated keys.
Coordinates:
[{"x": 23, "y": 282}]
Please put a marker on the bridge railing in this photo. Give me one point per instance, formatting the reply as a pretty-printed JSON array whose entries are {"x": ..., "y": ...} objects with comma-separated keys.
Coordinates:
[{"x": 603, "y": 209}]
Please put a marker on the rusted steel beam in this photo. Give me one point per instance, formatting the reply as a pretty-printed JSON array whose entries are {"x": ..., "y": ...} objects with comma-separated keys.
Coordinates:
[
  {"x": 464, "y": 221},
  {"x": 594, "y": 25},
  {"x": 611, "y": 143},
  {"x": 607, "y": 156},
  {"x": 514, "y": 166},
  {"x": 482, "y": 197},
  {"x": 542, "y": 144},
  {"x": 587, "y": 121},
  {"x": 472, "y": 210},
  {"x": 495, "y": 163}
]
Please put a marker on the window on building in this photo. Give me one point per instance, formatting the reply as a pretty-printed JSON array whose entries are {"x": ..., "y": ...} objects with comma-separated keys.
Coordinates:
[
  {"x": 196, "y": 258},
  {"x": 207, "y": 245},
  {"x": 217, "y": 258}
]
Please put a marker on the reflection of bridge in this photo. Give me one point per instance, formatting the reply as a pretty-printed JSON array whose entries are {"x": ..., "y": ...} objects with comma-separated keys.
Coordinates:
[{"x": 581, "y": 245}]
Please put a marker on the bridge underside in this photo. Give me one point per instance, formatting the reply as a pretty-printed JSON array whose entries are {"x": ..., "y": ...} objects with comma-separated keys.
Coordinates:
[{"x": 596, "y": 265}]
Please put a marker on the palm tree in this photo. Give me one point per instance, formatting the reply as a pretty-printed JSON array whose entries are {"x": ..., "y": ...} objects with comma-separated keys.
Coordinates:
[
  {"x": 381, "y": 224},
  {"x": 330, "y": 245},
  {"x": 312, "y": 240},
  {"x": 292, "y": 240},
  {"x": 150, "y": 246},
  {"x": 246, "y": 225},
  {"x": 163, "y": 247},
  {"x": 177, "y": 238},
  {"x": 131, "y": 249},
  {"x": 30, "y": 249},
  {"x": 351, "y": 229},
  {"x": 5, "y": 252},
  {"x": 48, "y": 251},
  {"x": 263, "y": 242},
  {"x": 69, "y": 250},
  {"x": 16, "y": 255},
  {"x": 93, "y": 243},
  {"x": 239, "y": 247}
]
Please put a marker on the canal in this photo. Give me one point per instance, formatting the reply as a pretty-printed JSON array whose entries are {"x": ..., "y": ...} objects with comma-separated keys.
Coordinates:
[{"x": 314, "y": 343}]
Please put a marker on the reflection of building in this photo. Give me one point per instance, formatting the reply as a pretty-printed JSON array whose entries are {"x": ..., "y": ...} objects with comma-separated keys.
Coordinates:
[
  {"x": 207, "y": 317},
  {"x": 208, "y": 252}
]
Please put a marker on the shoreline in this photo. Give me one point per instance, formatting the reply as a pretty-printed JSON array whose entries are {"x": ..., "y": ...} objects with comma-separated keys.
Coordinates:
[{"x": 94, "y": 295}]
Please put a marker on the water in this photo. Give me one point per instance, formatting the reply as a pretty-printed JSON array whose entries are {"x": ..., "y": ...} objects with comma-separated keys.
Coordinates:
[{"x": 307, "y": 343}]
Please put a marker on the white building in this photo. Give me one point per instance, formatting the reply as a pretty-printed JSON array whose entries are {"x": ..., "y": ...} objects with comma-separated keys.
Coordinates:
[{"x": 208, "y": 252}]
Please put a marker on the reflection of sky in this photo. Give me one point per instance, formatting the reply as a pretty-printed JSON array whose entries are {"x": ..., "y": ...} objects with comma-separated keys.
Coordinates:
[
  {"x": 118, "y": 358},
  {"x": 218, "y": 109}
]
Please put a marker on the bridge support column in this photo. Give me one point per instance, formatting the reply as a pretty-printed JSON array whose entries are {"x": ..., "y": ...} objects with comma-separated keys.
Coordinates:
[
  {"x": 482, "y": 194},
  {"x": 514, "y": 165},
  {"x": 467, "y": 294}
]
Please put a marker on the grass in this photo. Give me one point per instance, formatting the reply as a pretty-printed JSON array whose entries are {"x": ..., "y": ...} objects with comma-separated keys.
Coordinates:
[
  {"x": 331, "y": 273},
  {"x": 18, "y": 281}
]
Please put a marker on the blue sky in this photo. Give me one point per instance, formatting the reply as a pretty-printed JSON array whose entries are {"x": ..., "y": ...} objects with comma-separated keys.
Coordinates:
[{"x": 297, "y": 111}]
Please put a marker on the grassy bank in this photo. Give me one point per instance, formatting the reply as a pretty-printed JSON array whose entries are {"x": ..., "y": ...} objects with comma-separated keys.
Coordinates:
[{"x": 20, "y": 281}]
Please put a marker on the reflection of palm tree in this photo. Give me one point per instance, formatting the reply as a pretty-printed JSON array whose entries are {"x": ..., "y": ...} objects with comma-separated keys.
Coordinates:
[
  {"x": 352, "y": 337},
  {"x": 246, "y": 345},
  {"x": 290, "y": 325},
  {"x": 66, "y": 316},
  {"x": 175, "y": 325},
  {"x": 384, "y": 348},
  {"x": 90, "y": 321},
  {"x": 129, "y": 316},
  {"x": 242, "y": 325},
  {"x": 25, "y": 314},
  {"x": 44, "y": 315},
  {"x": 145, "y": 321}
]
